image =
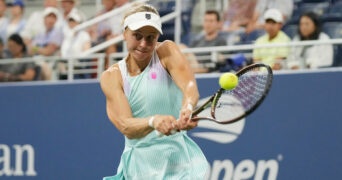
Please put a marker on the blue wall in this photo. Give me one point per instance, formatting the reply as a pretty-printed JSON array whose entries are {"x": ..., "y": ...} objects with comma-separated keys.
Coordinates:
[{"x": 293, "y": 135}]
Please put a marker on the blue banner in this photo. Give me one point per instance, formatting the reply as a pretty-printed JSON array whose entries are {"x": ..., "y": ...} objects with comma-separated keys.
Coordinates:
[{"x": 61, "y": 131}]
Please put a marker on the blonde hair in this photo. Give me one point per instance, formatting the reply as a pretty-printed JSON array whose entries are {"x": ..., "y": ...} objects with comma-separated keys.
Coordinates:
[{"x": 140, "y": 7}]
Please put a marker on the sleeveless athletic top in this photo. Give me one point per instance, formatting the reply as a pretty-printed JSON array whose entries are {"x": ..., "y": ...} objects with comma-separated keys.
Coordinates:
[{"x": 153, "y": 157}]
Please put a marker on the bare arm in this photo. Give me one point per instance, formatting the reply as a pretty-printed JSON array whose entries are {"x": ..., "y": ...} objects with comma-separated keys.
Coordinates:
[
  {"x": 48, "y": 50},
  {"x": 118, "y": 109},
  {"x": 180, "y": 70},
  {"x": 28, "y": 75}
]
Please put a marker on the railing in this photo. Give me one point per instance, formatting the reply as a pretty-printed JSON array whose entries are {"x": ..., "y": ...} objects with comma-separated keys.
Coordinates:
[
  {"x": 227, "y": 51},
  {"x": 174, "y": 15},
  {"x": 92, "y": 64},
  {"x": 95, "y": 62}
]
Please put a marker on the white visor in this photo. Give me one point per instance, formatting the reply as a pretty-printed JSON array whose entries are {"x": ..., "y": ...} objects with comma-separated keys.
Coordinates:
[{"x": 141, "y": 19}]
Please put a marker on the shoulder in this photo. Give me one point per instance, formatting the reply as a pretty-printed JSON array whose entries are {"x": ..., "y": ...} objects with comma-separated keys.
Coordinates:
[
  {"x": 284, "y": 36},
  {"x": 261, "y": 39},
  {"x": 165, "y": 47},
  {"x": 111, "y": 78},
  {"x": 323, "y": 36},
  {"x": 296, "y": 38}
]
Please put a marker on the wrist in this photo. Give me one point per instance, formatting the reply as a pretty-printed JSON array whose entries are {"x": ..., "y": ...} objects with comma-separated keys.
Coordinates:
[
  {"x": 150, "y": 122},
  {"x": 189, "y": 107}
]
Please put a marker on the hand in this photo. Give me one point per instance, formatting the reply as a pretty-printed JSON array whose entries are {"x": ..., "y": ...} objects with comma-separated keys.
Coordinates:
[
  {"x": 185, "y": 122},
  {"x": 165, "y": 124}
]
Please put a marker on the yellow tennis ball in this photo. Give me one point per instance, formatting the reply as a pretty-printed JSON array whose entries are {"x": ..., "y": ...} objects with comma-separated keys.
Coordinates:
[{"x": 228, "y": 81}]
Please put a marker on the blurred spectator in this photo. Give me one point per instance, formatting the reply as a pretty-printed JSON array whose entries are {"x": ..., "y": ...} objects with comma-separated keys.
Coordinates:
[
  {"x": 197, "y": 14},
  {"x": 272, "y": 56},
  {"x": 100, "y": 32},
  {"x": 35, "y": 23},
  {"x": 210, "y": 36},
  {"x": 47, "y": 43},
  {"x": 284, "y": 6},
  {"x": 17, "y": 71},
  {"x": 3, "y": 20},
  {"x": 69, "y": 6},
  {"x": 313, "y": 56},
  {"x": 116, "y": 25},
  {"x": 238, "y": 14},
  {"x": 16, "y": 22},
  {"x": 116, "y": 20},
  {"x": 236, "y": 18},
  {"x": 1, "y": 49},
  {"x": 74, "y": 43}
]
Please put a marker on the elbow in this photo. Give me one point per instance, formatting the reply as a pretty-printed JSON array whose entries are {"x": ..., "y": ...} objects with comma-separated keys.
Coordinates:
[{"x": 126, "y": 131}]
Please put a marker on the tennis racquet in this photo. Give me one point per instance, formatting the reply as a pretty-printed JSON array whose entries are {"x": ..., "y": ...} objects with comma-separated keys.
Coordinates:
[{"x": 229, "y": 106}]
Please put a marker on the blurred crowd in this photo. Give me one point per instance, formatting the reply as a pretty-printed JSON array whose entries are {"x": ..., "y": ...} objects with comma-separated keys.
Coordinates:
[
  {"x": 267, "y": 23},
  {"x": 48, "y": 32}
]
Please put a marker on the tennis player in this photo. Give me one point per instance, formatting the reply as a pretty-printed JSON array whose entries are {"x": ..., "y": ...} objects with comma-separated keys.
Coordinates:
[{"x": 146, "y": 92}]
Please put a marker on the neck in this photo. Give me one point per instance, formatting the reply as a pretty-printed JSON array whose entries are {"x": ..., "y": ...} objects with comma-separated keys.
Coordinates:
[
  {"x": 211, "y": 36},
  {"x": 135, "y": 67}
]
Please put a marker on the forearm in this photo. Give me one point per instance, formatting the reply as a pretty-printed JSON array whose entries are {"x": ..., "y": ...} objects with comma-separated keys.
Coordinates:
[
  {"x": 7, "y": 77},
  {"x": 190, "y": 94},
  {"x": 133, "y": 128}
]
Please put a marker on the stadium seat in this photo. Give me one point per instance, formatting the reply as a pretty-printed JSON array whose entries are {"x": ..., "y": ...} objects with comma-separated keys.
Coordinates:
[
  {"x": 318, "y": 7},
  {"x": 251, "y": 37},
  {"x": 291, "y": 30},
  {"x": 166, "y": 7},
  {"x": 334, "y": 30},
  {"x": 334, "y": 13}
]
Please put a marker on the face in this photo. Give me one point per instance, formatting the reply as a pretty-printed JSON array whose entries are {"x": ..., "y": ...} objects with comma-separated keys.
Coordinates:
[
  {"x": 210, "y": 24},
  {"x": 272, "y": 28},
  {"x": 72, "y": 23},
  {"x": 2, "y": 7},
  {"x": 50, "y": 21},
  {"x": 108, "y": 4},
  {"x": 120, "y": 2},
  {"x": 306, "y": 26},
  {"x": 14, "y": 48},
  {"x": 16, "y": 10},
  {"x": 141, "y": 43}
]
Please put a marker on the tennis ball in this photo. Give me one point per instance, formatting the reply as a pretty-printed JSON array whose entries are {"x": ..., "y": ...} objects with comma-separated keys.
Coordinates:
[{"x": 228, "y": 81}]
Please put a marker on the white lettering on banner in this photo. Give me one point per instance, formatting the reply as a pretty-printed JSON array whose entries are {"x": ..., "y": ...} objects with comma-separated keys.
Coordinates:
[
  {"x": 245, "y": 169},
  {"x": 17, "y": 169}
]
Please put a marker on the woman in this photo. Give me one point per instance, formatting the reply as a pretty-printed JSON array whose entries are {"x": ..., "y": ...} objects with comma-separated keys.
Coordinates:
[
  {"x": 313, "y": 56},
  {"x": 17, "y": 20},
  {"x": 146, "y": 92},
  {"x": 74, "y": 44},
  {"x": 19, "y": 71}
]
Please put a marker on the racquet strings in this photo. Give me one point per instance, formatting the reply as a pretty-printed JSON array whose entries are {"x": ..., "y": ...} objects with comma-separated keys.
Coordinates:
[{"x": 246, "y": 96}]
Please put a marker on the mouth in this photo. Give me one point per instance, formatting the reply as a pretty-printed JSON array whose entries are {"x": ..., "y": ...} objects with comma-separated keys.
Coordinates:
[{"x": 141, "y": 51}]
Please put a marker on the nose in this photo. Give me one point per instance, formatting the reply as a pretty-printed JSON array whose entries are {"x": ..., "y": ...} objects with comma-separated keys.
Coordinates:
[{"x": 143, "y": 42}]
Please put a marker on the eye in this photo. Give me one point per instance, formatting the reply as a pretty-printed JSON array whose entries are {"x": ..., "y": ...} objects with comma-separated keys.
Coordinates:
[
  {"x": 150, "y": 38},
  {"x": 138, "y": 36}
]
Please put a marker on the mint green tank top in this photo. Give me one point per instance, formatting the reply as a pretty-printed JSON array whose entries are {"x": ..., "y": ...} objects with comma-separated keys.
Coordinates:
[{"x": 152, "y": 157}]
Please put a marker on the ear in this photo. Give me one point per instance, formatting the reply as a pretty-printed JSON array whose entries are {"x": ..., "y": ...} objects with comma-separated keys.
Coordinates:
[{"x": 124, "y": 33}]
